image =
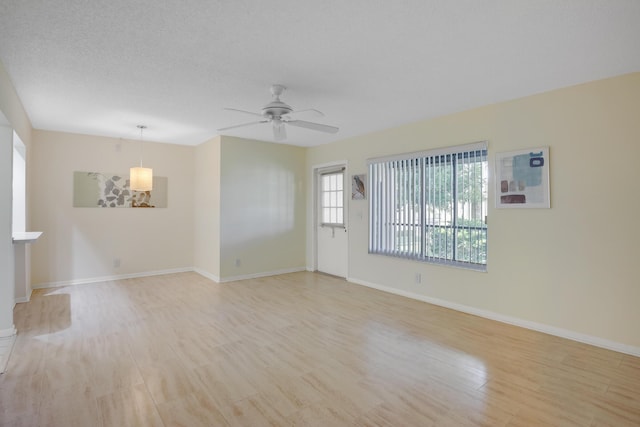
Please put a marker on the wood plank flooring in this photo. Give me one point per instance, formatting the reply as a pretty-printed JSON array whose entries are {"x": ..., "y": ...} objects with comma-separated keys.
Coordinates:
[{"x": 300, "y": 349}]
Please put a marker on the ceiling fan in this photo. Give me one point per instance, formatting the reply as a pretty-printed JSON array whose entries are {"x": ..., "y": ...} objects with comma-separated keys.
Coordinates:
[{"x": 278, "y": 114}]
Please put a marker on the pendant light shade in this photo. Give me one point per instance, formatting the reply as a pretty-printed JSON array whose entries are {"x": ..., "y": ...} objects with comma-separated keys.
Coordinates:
[{"x": 141, "y": 179}]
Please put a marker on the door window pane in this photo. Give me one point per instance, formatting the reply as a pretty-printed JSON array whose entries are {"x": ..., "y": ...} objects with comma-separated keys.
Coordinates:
[{"x": 332, "y": 198}]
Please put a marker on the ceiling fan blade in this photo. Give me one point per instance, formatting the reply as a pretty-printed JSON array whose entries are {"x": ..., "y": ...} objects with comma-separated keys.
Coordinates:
[
  {"x": 244, "y": 111},
  {"x": 313, "y": 126},
  {"x": 279, "y": 132},
  {"x": 317, "y": 113},
  {"x": 242, "y": 125}
]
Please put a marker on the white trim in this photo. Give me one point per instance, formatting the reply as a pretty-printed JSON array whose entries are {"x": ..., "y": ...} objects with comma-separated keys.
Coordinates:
[
  {"x": 334, "y": 163},
  {"x": 9, "y": 332},
  {"x": 23, "y": 299},
  {"x": 108, "y": 278},
  {"x": 207, "y": 275},
  {"x": 527, "y": 324},
  {"x": 263, "y": 274},
  {"x": 26, "y": 236}
]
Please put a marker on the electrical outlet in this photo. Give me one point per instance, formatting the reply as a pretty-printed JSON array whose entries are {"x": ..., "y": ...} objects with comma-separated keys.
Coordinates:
[
  {"x": 116, "y": 262},
  {"x": 418, "y": 278},
  {"x": 237, "y": 262}
]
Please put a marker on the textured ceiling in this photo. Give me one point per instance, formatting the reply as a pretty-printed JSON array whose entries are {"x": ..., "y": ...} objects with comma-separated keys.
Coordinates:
[{"x": 102, "y": 67}]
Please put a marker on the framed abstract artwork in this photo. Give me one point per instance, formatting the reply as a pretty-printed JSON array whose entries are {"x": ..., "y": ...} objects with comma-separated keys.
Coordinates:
[
  {"x": 358, "y": 191},
  {"x": 522, "y": 179}
]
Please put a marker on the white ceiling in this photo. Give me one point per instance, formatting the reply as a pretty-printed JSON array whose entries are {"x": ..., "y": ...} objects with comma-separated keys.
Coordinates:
[{"x": 102, "y": 67}]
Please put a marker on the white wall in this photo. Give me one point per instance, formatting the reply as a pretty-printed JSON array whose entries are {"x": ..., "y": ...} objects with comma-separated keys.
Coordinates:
[
  {"x": 262, "y": 205},
  {"x": 572, "y": 266},
  {"x": 6, "y": 245},
  {"x": 11, "y": 107},
  {"x": 207, "y": 209},
  {"x": 81, "y": 244},
  {"x": 12, "y": 116}
]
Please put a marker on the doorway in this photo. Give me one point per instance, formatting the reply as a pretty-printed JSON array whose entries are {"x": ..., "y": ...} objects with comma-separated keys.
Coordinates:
[{"x": 330, "y": 213}]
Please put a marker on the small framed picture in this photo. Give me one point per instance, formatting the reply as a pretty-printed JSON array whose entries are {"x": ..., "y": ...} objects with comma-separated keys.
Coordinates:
[
  {"x": 522, "y": 179},
  {"x": 358, "y": 191}
]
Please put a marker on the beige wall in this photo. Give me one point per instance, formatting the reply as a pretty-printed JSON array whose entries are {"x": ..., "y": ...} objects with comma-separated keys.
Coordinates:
[
  {"x": 82, "y": 243},
  {"x": 207, "y": 208},
  {"x": 229, "y": 199},
  {"x": 262, "y": 208},
  {"x": 570, "y": 267}
]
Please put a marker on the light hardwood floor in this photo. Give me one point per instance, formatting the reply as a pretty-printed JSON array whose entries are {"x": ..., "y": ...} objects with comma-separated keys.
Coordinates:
[{"x": 296, "y": 349}]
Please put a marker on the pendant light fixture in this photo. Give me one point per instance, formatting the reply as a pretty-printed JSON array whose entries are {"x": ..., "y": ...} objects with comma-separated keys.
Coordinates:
[{"x": 141, "y": 179}]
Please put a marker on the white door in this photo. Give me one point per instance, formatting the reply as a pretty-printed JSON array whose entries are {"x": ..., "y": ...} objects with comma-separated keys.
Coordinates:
[{"x": 331, "y": 225}]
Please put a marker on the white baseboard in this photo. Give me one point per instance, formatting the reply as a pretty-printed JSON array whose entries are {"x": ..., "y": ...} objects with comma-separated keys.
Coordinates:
[
  {"x": 207, "y": 275},
  {"x": 161, "y": 272},
  {"x": 262, "y": 274},
  {"x": 108, "y": 278},
  {"x": 246, "y": 276},
  {"x": 23, "y": 299},
  {"x": 540, "y": 327},
  {"x": 9, "y": 332}
]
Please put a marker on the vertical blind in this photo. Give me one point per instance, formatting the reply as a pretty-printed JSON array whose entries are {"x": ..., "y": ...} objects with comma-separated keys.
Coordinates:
[{"x": 431, "y": 206}]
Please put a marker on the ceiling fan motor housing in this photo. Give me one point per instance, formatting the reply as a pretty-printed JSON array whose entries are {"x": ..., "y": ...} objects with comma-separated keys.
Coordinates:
[{"x": 276, "y": 109}]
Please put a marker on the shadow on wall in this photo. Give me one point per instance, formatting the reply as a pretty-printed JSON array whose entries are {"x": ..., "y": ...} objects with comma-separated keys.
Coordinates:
[{"x": 263, "y": 206}]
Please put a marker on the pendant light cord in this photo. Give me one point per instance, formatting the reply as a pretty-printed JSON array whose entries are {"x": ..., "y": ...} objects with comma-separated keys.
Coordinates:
[{"x": 142, "y": 128}]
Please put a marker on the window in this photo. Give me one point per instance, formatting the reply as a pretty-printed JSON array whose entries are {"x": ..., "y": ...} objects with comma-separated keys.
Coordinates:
[
  {"x": 332, "y": 198},
  {"x": 431, "y": 206}
]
